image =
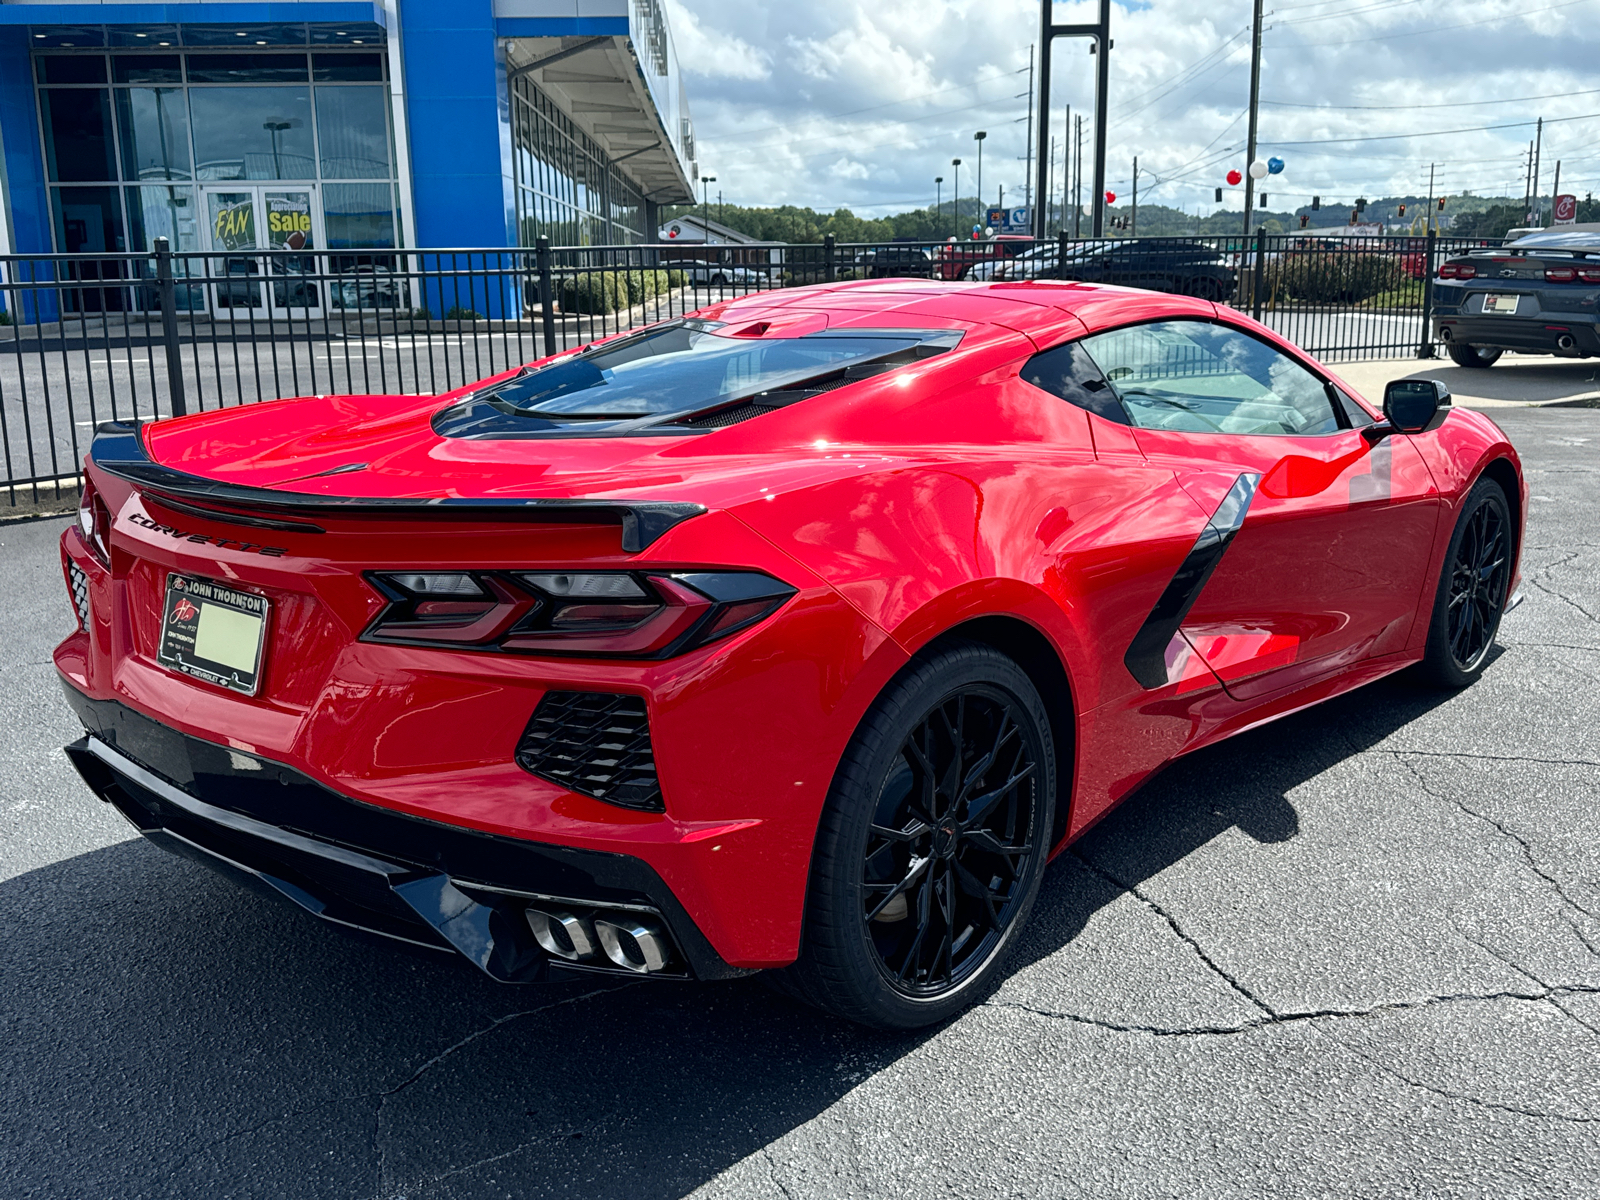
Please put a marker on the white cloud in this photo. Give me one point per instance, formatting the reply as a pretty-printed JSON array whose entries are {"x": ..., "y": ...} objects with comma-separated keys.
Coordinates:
[
  {"x": 790, "y": 100},
  {"x": 711, "y": 54}
]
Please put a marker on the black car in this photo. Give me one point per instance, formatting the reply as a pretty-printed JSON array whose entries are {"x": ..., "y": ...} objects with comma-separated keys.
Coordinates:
[
  {"x": 1160, "y": 264},
  {"x": 1537, "y": 295},
  {"x": 898, "y": 261}
]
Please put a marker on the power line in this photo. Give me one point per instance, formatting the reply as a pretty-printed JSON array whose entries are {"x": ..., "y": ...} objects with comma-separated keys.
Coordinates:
[
  {"x": 1393, "y": 137},
  {"x": 1442, "y": 28},
  {"x": 1408, "y": 107}
]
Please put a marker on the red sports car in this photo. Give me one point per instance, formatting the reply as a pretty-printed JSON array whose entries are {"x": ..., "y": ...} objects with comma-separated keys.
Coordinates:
[{"x": 792, "y": 636}]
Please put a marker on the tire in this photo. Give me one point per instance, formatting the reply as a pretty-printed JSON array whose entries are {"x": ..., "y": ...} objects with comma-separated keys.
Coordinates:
[
  {"x": 870, "y": 907},
  {"x": 719, "y": 280},
  {"x": 1464, "y": 355},
  {"x": 1471, "y": 596}
]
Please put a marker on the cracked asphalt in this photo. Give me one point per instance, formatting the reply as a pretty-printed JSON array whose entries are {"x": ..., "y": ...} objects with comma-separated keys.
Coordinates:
[{"x": 1353, "y": 954}]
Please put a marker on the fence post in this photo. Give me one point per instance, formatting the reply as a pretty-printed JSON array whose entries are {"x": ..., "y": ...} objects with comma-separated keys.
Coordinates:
[
  {"x": 1425, "y": 346},
  {"x": 1062, "y": 241},
  {"x": 1259, "y": 282},
  {"x": 167, "y": 297},
  {"x": 547, "y": 292},
  {"x": 828, "y": 273}
]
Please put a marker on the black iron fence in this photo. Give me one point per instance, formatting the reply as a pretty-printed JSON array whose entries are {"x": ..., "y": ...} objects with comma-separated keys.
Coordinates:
[{"x": 91, "y": 338}]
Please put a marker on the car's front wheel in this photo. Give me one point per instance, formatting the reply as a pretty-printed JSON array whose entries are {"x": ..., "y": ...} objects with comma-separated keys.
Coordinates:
[
  {"x": 1464, "y": 355},
  {"x": 932, "y": 843},
  {"x": 1472, "y": 590}
]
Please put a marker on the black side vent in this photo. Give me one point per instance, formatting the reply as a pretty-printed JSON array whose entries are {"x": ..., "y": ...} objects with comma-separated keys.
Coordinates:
[
  {"x": 597, "y": 743},
  {"x": 765, "y": 402},
  {"x": 80, "y": 593}
]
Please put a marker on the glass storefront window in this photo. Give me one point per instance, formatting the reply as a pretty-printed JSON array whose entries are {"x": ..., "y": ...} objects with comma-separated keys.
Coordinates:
[
  {"x": 88, "y": 220},
  {"x": 153, "y": 124},
  {"x": 77, "y": 132},
  {"x": 247, "y": 68},
  {"x": 347, "y": 68},
  {"x": 353, "y": 132},
  {"x": 567, "y": 190},
  {"x": 167, "y": 212},
  {"x": 146, "y": 68},
  {"x": 358, "y": 216},
  {"x": 72, "y": 68},
  {"x": 253, "y": 133}
]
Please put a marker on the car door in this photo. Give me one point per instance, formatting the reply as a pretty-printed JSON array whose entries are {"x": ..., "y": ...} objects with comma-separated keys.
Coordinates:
[{"x": 1322, "y": 533}]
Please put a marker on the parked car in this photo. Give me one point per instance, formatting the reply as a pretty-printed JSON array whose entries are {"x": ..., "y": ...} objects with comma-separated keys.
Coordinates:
[
  {"x": 897, "y": 260},
  {"x": 719, "y": 274},
  {"x": 1174, "y": 265},
  {"x": 795, "y": 640},
  {"x": 1536, "y": 295},
  {"x": 957, "y": 259}
]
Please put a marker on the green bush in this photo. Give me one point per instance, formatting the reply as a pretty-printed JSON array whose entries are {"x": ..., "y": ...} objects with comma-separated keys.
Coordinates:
[
  {"x": 601, "y": 292},
  {"x": 5, "y": 317},
  {"x": 1334, "y": 278},
  {"x": 461, "y": 313}
]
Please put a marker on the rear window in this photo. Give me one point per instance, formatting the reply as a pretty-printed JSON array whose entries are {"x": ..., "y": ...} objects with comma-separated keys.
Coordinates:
[{"x": 674, "y": 374}]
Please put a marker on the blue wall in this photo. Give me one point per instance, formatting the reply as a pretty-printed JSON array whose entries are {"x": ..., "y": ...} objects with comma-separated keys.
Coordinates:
[
  {"x": 19, "y": 128},
  {"x": 459, "y": 121}
]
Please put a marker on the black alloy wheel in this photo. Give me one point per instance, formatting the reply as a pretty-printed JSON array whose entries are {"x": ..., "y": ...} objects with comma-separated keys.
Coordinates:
[
  {"x": 1472, "y": 592},
  {"x": 1464, "y": 355},
  {"x": 950, "y": 846},
  {"x": 932, "y": 844},
  {"x": 1478, "y": 585}
]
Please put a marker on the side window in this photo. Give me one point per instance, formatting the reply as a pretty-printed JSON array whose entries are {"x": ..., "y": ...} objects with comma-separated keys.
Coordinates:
[
  {"x": 1355, "y": 416},
  {"x": 1206, "y": 378},
  {"x": 1068, "y": 372}
]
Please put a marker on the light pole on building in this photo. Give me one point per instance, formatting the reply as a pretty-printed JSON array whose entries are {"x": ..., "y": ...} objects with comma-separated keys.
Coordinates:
[
  {"x": 978, "y": 137},
  {"x": 955, "y": 198}
]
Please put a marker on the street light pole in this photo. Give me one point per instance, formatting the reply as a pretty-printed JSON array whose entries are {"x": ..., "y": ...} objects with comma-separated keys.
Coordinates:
[
  {"x": 705, "y": 204},
  {"x": 1100, "y": 45},
  {"x": 938, "y": 203},
  {"x": 978, "y": 137},
  {"x": 955, "y": 198}
]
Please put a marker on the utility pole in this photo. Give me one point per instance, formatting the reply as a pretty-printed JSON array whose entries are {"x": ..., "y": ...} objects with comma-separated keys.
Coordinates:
[
  {"x": 1555, "y": 191},
  {"x": 1527, "y": 187},
  {"x": 1099, "y": 34},
  {"x": 1027, "y": 186},
  {"x": 955, "y": 198},
  {"x": 1135, "y": 230},
  {"x": 938, "y": 203},
  {"x": 1538, "y": 147},
  {"x": 1428, "y": 226},
  {"x": 1255, "y": 106},
  {"x": 1066, "y": 167},
  {"x": 1050, "y": 193},
  {"x": 1077, "y": 183}
]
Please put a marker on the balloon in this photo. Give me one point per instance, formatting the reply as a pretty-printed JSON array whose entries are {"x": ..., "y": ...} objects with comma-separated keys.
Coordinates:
[
  {"x": 1234, "y": 178},
  {"x": 1258, "y": 169},
  {"x": 1275, "y": 166},
  {"x": 1111, "y": 197}
]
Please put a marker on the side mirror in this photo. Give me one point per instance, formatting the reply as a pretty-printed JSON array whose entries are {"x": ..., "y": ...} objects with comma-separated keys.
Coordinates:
[{"x": 1412, "y": 404}]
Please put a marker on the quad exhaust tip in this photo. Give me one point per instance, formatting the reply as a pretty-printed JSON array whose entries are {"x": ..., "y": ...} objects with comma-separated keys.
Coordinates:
[{"x": 631, "y": 943}]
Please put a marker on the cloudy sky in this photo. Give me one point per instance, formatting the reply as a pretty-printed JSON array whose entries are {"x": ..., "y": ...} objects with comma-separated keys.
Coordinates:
[{"x": 840, "y": 102}]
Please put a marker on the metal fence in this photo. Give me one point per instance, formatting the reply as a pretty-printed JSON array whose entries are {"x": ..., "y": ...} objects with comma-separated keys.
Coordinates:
[{"x": 91, "y": 338}]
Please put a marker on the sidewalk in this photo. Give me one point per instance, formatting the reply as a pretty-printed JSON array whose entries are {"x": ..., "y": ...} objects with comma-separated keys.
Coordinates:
[{"x": 1516, "y": 381}]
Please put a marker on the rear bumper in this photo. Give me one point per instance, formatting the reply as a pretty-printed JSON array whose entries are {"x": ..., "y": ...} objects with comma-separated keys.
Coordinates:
[
  {"x": 1538, "y": 335},
  {"x": 382, "y": 872}
]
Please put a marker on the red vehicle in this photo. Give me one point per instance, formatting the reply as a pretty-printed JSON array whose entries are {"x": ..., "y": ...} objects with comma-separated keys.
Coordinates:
[
  {"x": 795, "y": 636},
  {"x": 956, "y": 259}
]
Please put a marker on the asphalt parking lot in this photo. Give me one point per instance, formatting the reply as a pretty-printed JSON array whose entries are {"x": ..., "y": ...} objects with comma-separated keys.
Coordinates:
[{"x": 1353, "y": 954}]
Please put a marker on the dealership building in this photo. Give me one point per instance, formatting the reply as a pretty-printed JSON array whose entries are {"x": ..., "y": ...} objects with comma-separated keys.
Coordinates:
[{"x": 339, "y": 125}]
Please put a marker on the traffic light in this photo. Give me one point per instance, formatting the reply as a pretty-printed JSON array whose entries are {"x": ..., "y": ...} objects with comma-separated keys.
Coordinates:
[
  {"x": 1441, "y": 203},
  {"x": 1316, "y": 203},
  {"x": 1353, "y": 215},
  {"x": 1219, "y": 195},
  {"x": 1361, "y": 204},
  {"x": 1402, "y": 210},
  {"x": 1305, "y": 219},
  {"x": 1262, "y": 202}
]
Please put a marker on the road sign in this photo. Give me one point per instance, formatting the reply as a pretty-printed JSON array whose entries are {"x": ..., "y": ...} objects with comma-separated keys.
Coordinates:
[{"x": 1566, "y": 210}]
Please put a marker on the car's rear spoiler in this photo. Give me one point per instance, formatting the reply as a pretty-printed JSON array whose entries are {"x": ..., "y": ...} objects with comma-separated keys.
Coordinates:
[{"x": 119, "y": 450}]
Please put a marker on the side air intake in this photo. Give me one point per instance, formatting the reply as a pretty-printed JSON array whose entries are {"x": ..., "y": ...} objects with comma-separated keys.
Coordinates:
[{"x": 597, "y": 743}]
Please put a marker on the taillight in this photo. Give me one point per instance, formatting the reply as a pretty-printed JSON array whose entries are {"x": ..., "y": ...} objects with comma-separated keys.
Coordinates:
[
  {"x": 94, "y": 522},
  {"x": 614, "y": 614},
  {"x": 1458, "y": 271},
  {"x": 1589, "y": 274},
  {"x": 1559, "y": 274}
]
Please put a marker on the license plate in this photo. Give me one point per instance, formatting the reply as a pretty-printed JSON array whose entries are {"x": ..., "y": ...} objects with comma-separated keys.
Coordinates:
[
  {"x": 1500, "y": 304},
  {"x": 213, "y": 632}
]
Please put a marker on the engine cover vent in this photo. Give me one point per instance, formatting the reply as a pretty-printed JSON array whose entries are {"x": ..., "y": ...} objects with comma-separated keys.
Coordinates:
[{"x": 597, "y": 743}]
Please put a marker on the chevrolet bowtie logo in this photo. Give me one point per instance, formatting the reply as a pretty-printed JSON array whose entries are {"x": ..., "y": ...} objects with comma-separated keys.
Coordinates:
[{"x": 1508, "y": 273}]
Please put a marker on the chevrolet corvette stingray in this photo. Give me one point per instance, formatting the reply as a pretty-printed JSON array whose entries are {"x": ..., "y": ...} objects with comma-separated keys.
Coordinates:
[{"x": 793, "y": 636}]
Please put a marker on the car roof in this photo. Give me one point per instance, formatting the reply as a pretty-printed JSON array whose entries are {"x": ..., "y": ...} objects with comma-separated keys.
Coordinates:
[{"x": 1566, "y": 237}]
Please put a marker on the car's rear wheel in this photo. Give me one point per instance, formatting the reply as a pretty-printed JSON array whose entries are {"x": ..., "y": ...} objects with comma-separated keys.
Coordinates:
[
  {"x": 1464, "y": 355},
  {"x": 1472, "y": 590},
  {"x": 931, "y": 845}
]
